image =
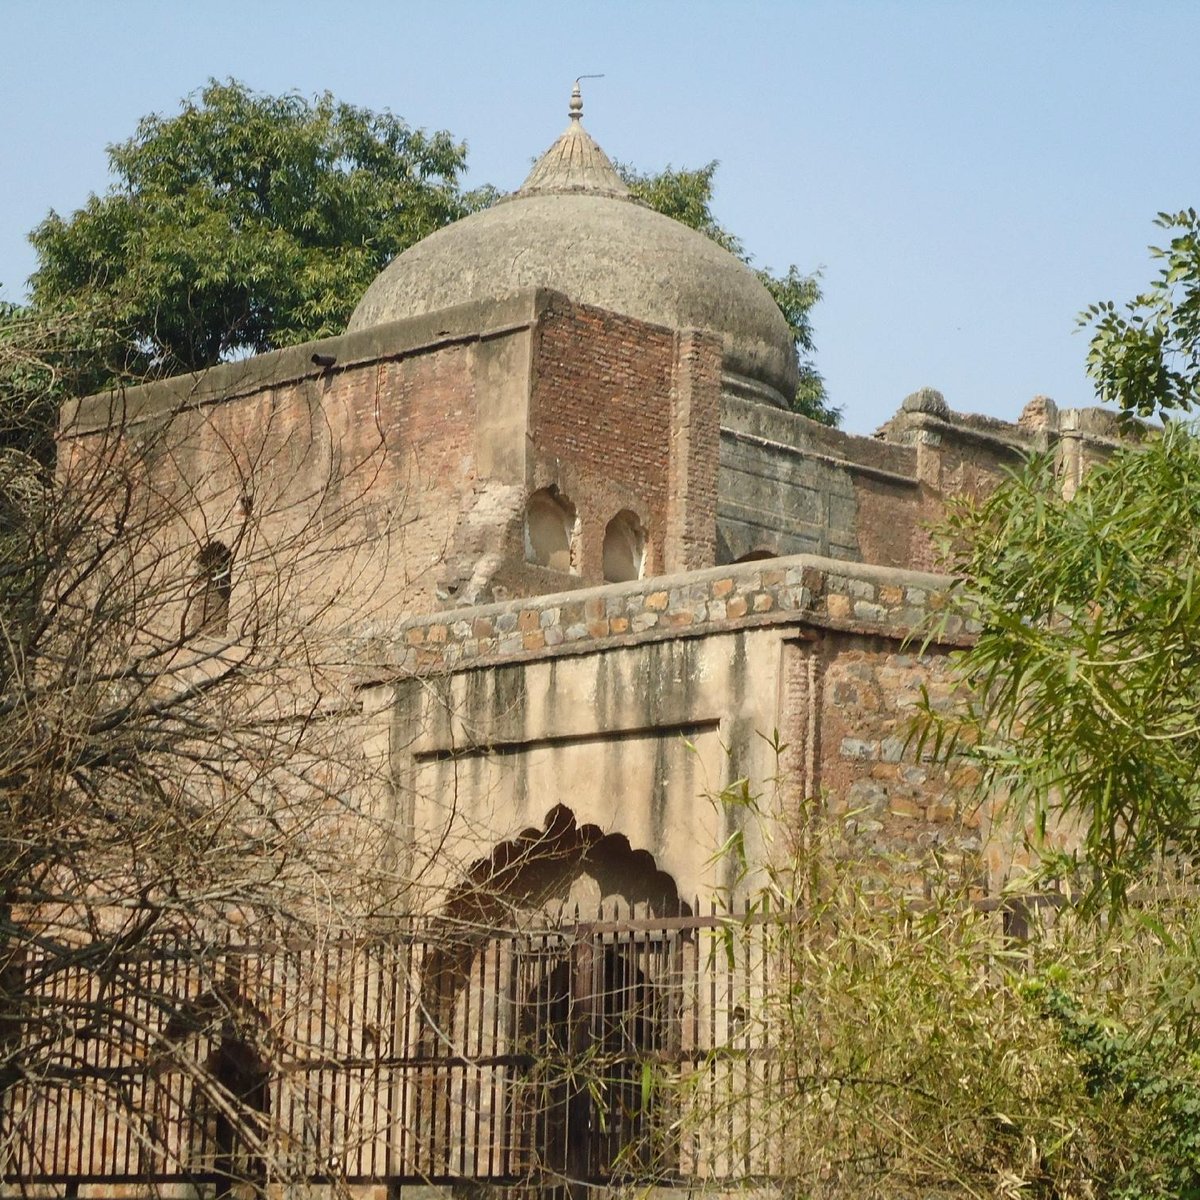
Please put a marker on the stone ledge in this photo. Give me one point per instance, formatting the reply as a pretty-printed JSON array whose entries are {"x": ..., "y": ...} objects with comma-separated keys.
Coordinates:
[
  {"x": 800, "y": 435},
  {"x": 801, "y": 590}
]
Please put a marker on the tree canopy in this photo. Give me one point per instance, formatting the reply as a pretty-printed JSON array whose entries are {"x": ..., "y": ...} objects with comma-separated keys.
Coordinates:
[
  {"x": 1086, "y": 672},
  {"x": 248, "y": 222},
  {"x": 1145, "y": 355}
]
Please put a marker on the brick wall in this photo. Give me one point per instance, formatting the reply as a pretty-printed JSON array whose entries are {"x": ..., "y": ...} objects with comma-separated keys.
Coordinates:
[
  {"x": 694, "y": 454},
  {"x": 600, "y": 413},
  {"x": 374, "y": 457}
]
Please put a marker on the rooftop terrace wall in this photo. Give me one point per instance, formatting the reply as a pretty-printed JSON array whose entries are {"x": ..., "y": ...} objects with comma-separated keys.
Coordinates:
[{"x": 800, "y": 589}]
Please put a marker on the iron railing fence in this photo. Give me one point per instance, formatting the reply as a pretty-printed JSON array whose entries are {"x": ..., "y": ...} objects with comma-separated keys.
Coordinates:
[
  {"x": 436, "y": 1053},
  {"x": 592, "y": 1052}
]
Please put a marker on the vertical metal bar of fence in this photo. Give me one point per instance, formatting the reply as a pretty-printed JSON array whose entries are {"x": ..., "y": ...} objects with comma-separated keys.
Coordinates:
[
  {"x": 581, "y": 1040},
  {"x": 404, "y": 1167}
]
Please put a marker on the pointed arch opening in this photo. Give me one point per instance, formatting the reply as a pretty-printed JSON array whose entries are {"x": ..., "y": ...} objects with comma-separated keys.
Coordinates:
[
  {"x": 555, "y": 943},
  {"x": 624, "y": 548},
  {"x": 551, "y": 531}
]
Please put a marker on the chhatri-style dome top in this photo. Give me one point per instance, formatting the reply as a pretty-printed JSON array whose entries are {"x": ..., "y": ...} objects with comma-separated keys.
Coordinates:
[
  {"x": 574, "y": 227},
  {"x": 574, "y": 164}
]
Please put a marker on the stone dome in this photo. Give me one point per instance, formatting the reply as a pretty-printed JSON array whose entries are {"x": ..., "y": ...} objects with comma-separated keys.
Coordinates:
[{"x": 573, "y": 227}]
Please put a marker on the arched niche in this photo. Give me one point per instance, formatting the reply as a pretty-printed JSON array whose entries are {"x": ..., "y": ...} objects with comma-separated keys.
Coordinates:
[
  {"x": 210, "y": 592},
  {"x": 213, "y": 1095},
  {"x": 624, "y": 548},
  {"x": 551, "y": 533},
  {"x": 756, "y": 556}
]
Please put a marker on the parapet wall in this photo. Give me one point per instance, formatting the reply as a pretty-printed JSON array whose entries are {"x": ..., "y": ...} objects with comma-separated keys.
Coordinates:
[
  {"x": 788, "y": 485},
  {"x": 801, "y": 589}
]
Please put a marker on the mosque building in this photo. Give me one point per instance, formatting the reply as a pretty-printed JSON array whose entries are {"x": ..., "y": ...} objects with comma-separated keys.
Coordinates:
[
  {"x": 615, "y": 554},
  {"x": 597, "y": 571}
]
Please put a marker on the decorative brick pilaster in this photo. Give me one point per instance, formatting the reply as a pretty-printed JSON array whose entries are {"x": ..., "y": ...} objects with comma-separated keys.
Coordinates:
[{"x": 691, "y": 542}]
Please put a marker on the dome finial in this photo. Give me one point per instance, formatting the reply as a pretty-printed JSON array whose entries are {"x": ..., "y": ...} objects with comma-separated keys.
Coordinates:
[
  {"x": 575, "y": 108},
  {"x": 575, "y": 163}
]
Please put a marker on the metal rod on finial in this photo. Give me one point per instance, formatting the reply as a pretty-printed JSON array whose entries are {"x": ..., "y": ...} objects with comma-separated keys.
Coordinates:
[{"x": 575, "y": 108}]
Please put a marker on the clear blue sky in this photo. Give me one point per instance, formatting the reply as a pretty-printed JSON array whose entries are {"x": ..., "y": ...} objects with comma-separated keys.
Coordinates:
[{"x": 967, "y": 175}]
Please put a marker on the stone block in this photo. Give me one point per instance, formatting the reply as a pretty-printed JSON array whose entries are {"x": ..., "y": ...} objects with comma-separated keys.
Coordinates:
[
  {"x": 861, "y": 749},
  {"x": 864, "y": 610},
  {"x": 838, "y": 606}
]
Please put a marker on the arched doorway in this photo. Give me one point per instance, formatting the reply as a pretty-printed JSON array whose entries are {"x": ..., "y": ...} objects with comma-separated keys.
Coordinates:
[{"x": 579, "y": 1009}]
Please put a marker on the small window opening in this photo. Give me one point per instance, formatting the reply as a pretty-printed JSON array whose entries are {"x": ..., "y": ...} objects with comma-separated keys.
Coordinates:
[
  {"x": 624, "y": 548},
  {"x": 550, "y": 526},
  {"x": 208, "y": 605}
]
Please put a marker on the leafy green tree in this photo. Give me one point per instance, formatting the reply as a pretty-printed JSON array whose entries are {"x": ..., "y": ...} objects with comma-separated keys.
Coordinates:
[
  {"x": 1145, "y": 356},
  {"x": 247, "y": 222},
  {"x": 1085, "y": 677},
  {"x": 686, "y": 195}
]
